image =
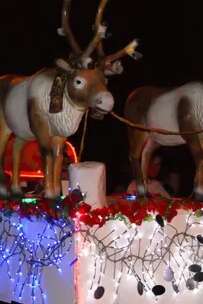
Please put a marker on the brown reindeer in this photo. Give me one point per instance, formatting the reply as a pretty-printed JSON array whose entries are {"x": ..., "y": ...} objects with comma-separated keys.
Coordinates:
[
  {"x": 49, "y": 105},
  {"x": 178, "y": 110}
]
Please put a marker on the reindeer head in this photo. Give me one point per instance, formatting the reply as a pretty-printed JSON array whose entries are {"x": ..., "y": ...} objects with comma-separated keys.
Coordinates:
[{"x": 86, "y": 81}]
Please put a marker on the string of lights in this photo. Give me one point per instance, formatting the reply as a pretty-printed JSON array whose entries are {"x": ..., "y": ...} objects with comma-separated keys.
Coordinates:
[
  {"x": 158, "y": 255},
  {"x": 164, "y": 258},
  {"x": 32, "y": 249}
]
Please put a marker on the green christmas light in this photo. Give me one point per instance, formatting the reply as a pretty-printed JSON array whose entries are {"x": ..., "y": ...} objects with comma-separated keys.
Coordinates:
[{"x": 29, "y": 200}]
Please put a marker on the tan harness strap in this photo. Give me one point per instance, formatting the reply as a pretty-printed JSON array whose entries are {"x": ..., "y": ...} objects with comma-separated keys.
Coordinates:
[
  {"x": 83, "y": 136},
  {"x": 155, "y": 130}
]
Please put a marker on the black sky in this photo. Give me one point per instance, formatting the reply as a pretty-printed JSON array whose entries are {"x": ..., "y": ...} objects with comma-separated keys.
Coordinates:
[{"x": 170, "y": 34}]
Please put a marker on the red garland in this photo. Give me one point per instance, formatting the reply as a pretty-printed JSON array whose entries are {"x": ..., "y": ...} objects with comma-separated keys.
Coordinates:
[
  {"x": 136, "y": 212},
  {"x": 72, "y": 207}
]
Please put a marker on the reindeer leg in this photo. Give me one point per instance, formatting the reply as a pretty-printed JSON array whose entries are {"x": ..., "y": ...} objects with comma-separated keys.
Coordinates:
[
  {"x": 4, "y": 136},
  {"x": 198, "y": 184},
  {"x": 15, "y": 183},
  {"x": 40, "y": 128},
  {"x": 57, "y": 148},
  {"x": 136, "y": 141},
  {"x": 196, "y": 146},
  {"x": 48, "y": 171},
  {"x": 147, "y": 152},
  {"x": 195, "y": 142}
]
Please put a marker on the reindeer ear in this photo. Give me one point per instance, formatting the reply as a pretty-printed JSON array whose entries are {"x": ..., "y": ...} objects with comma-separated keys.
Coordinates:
[{"x": 64, "y": 65}]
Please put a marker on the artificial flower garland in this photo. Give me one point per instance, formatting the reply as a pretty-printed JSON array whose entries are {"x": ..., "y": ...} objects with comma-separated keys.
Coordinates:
[{"x": 73, "y": 206}]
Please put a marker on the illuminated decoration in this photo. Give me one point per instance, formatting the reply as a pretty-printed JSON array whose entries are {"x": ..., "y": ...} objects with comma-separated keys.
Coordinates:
[
  {"x": 32, "y": 245},
  {"x": 31, "y": 164},
  {"x": 147, "y": 251},
  {"x": 70, "y": 151},
  {"x": 121, "y": 262},
  {"x": 35, "y": 234}
]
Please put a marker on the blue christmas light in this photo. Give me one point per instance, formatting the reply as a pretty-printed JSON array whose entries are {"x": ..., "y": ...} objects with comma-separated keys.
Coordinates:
[{"x": 33, "y": 250}]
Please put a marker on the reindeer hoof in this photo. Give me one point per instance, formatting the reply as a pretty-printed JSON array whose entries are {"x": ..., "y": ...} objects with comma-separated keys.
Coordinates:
[
  {"x": 58, "y": 193},
  {"x": 49, "y": 195},
  {"x": 16, "y": 196},
  {"x": 198, "y": 196},
  {"x": 16, "y": 193},
  {"x": 53, "y": 195},
  {"x": 142, "y": 199},
  {"x": 4, "y": 193}
]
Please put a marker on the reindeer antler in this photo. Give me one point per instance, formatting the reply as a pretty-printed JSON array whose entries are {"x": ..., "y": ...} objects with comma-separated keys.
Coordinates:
[
  {"x": 83, "y": 58},
  {"x": 111, "y": 63},
  {"x": 65, "y": 29},
  {"x": 99, "y": 30},
  {"x": 128, "y": 50}
]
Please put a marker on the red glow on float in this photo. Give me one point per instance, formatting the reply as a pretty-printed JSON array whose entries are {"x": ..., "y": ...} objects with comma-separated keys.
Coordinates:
[{"x": 31, "y": 163}]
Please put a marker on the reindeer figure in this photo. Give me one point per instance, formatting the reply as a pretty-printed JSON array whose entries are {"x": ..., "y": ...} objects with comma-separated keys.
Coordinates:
[
  {"x": 49, "y": 105},
  {"x": 178, "y": 110}
]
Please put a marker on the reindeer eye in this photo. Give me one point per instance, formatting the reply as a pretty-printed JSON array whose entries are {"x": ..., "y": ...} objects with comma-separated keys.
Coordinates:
[{"x": 79, "y": 83}]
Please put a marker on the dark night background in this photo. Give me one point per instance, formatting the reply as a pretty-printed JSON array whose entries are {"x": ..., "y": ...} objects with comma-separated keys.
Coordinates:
[{"x": 170, "y": 34}]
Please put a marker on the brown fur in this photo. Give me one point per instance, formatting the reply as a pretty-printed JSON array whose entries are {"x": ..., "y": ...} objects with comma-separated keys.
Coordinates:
[
  {"x": 142, "y": 146},
  {"x": 51, "y": 144}
]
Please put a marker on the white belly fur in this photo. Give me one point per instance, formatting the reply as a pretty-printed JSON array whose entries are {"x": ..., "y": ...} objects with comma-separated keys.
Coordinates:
[
  {"x": 163, "y": 113},
  {"x": 64, "y": 123},
  {"x": 16, "y": 111}
]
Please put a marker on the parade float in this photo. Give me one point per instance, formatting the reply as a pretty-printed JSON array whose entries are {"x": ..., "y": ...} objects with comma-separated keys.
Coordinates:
[
  {"x": 80, "y": 246},
  {"x": 71, "y": 251}
]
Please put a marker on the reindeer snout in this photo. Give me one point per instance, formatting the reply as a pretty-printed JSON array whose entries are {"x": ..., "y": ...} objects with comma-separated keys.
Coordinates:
[{"x": 103, "y": 101}]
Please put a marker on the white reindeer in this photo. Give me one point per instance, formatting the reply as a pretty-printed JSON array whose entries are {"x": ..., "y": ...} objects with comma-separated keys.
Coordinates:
[
  {"x": 179, "y": 110},
  {"x": 49, "y": 105}
]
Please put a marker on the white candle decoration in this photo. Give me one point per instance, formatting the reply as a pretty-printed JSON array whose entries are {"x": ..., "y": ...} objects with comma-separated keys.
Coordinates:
[{"x": 91, "y": 178}]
